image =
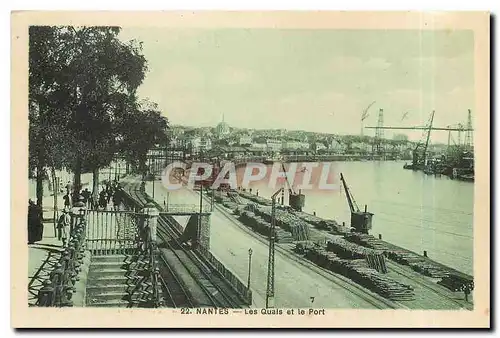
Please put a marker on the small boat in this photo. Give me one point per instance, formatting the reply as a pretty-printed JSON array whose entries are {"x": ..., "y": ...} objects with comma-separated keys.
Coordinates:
[
  {"x": 271, "y": 159},
  {"x": 466, "y": 177}
]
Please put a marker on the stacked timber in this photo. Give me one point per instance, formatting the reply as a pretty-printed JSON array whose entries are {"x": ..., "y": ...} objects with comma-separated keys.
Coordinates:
[
  {"x": 346, "y": 249},
  {"x": 254, "y": 198},
  {"x": 302, "y": 247},
  {"x": 239, "y": 209},
  {"x": 358, "y": 271},
  {"x": 418, "y": 263},
  {"x": 367, "y": 240},
  {"x": 456, "y": 282},
  {"x": 317, "y": 222},
  {"x": 258, "y": 224},
  {"x": 233, "y": 195},
  {"x": 287, "y": 221}
]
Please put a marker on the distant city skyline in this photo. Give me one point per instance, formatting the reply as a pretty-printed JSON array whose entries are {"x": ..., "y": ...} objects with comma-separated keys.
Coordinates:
[{"x": 313, "y": 80}]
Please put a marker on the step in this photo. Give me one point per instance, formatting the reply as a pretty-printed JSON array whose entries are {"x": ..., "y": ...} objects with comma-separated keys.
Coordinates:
[
  {"x": 105, "y": 296},
  {"x": 109, "y": 303},
  {"x": 107, "y": 265},
  {"x": 109, "y": 272},
  {"x": 104, "y": 288},
  {"x": 110, "y": 258},
  {"x": 107, "y": 280},
  {"x": 125, "y": 259}
]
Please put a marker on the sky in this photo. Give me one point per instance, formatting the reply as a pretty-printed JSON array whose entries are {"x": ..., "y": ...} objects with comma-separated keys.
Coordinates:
[{"x": 314, "y": 80}]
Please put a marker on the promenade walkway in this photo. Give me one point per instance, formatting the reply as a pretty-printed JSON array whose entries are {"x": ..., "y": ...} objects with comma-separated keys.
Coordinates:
[{"x": 44, "y": 254}]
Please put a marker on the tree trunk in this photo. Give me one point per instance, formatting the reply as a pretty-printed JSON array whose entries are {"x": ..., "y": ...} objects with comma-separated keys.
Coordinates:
[
  {"x": 77, "y": 181},
  {"x": 55, "y": 188},
  {"x": 39, "y": 185},
  {"x": 95, "y": 185}
]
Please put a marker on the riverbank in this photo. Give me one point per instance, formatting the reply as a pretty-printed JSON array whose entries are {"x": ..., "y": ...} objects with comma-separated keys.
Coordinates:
[{"x": 402, "y": 283}]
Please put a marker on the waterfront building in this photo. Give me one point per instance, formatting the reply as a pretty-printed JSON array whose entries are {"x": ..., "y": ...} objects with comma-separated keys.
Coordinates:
[
  {"x": 318, "y": 146},
  {"x": 200, "y": 144},
  {"x": 245, "y": 140},
  {"x": 274, "y": 145},
  {"x": 295, "y": 144},
  {"x": 337, "y": 147}
]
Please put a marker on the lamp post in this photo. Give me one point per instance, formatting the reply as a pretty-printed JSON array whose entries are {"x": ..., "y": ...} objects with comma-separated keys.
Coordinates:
[
  {"x": 154, "y": 178},
  {"x": 270, "y": 263},
  {"x": 249, "y": 266}
]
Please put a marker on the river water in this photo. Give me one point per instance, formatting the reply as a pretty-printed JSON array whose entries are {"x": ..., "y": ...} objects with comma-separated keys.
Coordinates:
[{"x": 411, "y": 209}]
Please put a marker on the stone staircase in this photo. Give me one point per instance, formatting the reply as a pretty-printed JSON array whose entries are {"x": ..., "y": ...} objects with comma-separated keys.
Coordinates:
[{"x": 112, "y": 282}]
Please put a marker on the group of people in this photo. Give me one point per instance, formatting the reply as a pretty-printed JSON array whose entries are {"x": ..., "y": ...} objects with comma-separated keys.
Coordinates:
[{"x": 111, "y": 192}]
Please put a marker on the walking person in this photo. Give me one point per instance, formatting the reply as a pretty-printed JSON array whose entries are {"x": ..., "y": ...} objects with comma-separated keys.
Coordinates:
[
  {"x": 117, "y": 199},
  {"x": 64, "y": 227},
  {"x": 67, "y": 202},
  {"x": 102, "y": 199},
  {"x": 35, "y": 223},
  {"x": 86, "y": 196}
]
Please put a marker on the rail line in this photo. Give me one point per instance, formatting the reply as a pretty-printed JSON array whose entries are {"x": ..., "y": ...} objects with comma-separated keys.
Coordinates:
[
  {"x": 175, "y": 290},
  {"x": 399, "y": 270},
  {"x": 327, "y": 274},
  {"x": 212, "y": 291},
  {"x": 177, "y": 293},
  {"x": 377, "y": 301},
  {"x": 178, "y": 296}
]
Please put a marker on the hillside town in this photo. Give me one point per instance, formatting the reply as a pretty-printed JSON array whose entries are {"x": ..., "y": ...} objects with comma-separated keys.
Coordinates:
[{"x": 238, "y": 142}]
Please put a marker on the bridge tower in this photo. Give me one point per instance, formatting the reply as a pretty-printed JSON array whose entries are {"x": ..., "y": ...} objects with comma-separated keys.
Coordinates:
[
  {"x": 379, "y": 134},
  {"x": 469, "y": 143}
]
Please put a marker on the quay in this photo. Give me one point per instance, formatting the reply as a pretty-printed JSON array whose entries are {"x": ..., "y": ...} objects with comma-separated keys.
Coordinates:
[
  {"x": 230, "y": 240},
  {"x": 112, "y": 259}
]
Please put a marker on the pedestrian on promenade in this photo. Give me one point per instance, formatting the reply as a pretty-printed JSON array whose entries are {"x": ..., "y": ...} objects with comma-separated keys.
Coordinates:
[
  {"x": 86, "y": 196},
  {"x": 102, "y": 199},
  {"x": 467, "y": 290},
  {"x": 35, "y": 223},
  {"x": 67, "y": 202},
  {"x": 64, "y": 226},
  {"x": 109, "y": 193},
  {"x": 117, "y": 199}
]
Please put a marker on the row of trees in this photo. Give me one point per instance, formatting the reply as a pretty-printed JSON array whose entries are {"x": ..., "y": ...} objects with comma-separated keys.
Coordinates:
[{"x": 83, "y": 104}]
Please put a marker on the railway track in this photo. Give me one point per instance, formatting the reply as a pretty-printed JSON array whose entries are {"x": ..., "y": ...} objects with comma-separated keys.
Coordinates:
[
  {"x": 366, "y": 295},
  {"x": 392, "y": 267},
  {"x": 200, "y": 273},
  {"x": 425, "y": 285},
  {"x": 177, "y": 293}
]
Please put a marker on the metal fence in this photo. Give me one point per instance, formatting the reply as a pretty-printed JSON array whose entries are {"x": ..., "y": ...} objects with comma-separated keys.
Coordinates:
[
  {"x": 227, "y": 275},
  {"x": 58, "y": 289},
  {"x": 113, "y": 232},
  {"x": 187, "y": 208}
]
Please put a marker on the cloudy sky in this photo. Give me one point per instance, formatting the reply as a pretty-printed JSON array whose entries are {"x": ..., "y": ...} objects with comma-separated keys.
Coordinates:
[{"x": 315, "y": 80}]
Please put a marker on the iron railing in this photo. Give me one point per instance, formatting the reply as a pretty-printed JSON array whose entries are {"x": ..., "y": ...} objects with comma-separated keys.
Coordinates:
[
  {"x": 58, "y": 289},
  {"x": 187, "y": 208},
  {"x": 147, "y": 248},
  {"x": 112, "y": 232}
]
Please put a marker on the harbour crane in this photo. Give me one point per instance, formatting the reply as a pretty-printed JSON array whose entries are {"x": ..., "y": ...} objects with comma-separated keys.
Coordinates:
[
  {"x": 365, "y": 114},
  {"x": 361, "y": 221},
  {"x": 418, "y": 160},
  {"x": 296, "y": 200}
]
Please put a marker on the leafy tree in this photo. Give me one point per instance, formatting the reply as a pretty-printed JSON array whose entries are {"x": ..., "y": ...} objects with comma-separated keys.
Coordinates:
[
  {"x": 48, "y": 96},
  {"x": 140, "y": 130},
  {"x": 82, "y": 91},
  {"x": 107, "y": 73}
]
